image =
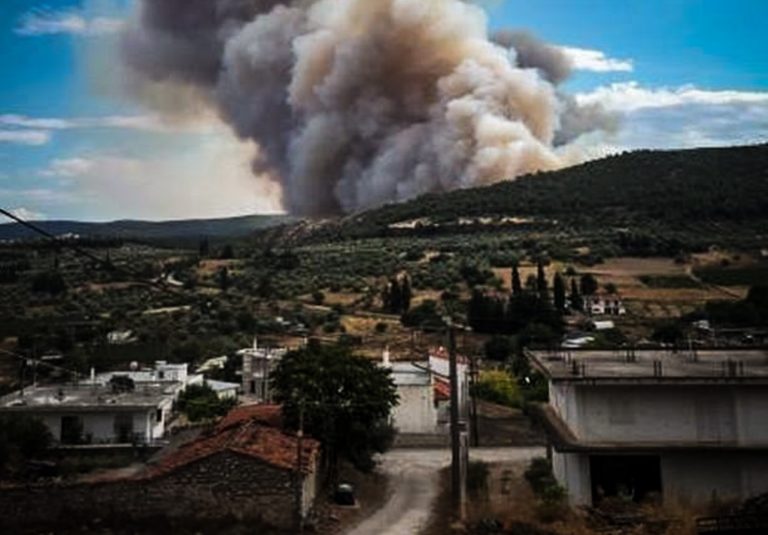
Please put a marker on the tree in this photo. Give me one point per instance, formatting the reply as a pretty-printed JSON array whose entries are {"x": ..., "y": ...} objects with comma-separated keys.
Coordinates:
[
  {"x": 541, "y": 282},
  {"x": 498, "y": 387},
  {"x": 588, "y": 284},
  {"x": 318, "y": 297},
  {"x": 200, "y": 402},
  {"x": 21, "y": 437},
  {"x": 204, "y": 248},
  {"x": 517, "y": 287},
  {"x": 611, "y": 288},
  {"x": 227, "y": 253},
  {"x": 346, "y": 401},
  {"x": 558, "y": 292},
  {"x": 406, "y": 293},
  {"x": 498, "y": 348},
  {"x": 223, "y": 277},
  {"x": 577, "y": 303}
]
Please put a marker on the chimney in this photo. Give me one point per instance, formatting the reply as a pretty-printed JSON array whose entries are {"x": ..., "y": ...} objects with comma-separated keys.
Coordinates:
[{"x": 385, "y": 362}]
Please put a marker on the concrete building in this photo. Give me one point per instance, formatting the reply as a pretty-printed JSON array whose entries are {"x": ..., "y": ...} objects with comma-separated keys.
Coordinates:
[
  {"x": 96, "y": 413},
  {"x": 175, "y": 377},
  {"x": 604, "y": 304},
  {"x": 687, "y": 426},
  {"x": 258, "y": 364},
  {"x": 224, "y": 389}
]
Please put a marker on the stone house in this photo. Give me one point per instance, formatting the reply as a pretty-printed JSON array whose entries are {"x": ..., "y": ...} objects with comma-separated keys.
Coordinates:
[{"x": 247, "y": 468}]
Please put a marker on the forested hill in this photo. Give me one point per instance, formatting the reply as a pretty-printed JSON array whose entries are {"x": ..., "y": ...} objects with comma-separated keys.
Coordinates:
[
  {"x": 180, "y": 229},
  {"x": 684, "y": 186}
]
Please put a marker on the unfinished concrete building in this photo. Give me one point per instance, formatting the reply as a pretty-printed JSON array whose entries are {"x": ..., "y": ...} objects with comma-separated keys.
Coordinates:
[{"x": 688, "y": 426}]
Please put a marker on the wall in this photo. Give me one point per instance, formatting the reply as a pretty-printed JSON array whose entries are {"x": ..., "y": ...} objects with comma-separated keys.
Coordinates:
[
  {"x": 572, "y": 472},
  {"x": 225, "y": 484},
  {"x": 101, "y": 425},
  {"x": 416, "y": 411},
  {"x": 671, "y": 413}
]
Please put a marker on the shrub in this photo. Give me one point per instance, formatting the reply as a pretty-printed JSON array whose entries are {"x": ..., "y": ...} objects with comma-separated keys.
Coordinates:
[{"x": 499, "y": 387}]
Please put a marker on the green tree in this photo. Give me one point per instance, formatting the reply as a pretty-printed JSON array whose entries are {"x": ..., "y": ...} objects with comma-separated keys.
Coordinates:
[
  {"x": 577, "y": 303},
  {"x": 517, "y": 286},
  {"x": 498, "y": 348},
  {"x": 224, "y": 279},
  {"x": 498, "y": 387},
  {"x": 200, "y": 402},
  {"x": 558, "y": 292},
  {"x": 588, "y": 284},
  {"x": 345, "y": 399},
  {"x": 22, "y": 437}
]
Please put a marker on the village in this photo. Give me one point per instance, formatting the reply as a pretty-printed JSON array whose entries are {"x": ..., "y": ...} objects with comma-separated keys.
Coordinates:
[{"x": 668, "y": 432}]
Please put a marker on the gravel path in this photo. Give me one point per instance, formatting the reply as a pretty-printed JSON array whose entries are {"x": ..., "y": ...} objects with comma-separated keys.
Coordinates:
[{"x": 413, "y": 476}]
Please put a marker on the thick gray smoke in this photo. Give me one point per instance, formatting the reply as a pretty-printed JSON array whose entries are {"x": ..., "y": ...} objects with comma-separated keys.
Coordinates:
[{"x": 355, "y": 103}]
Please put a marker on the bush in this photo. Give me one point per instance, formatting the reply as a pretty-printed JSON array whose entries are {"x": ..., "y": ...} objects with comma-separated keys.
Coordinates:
[
  {"x": 497, "y": 387},
  {"x": 21, "y": 437},
  {"x": 200, "y": 402},
  {"x": 477, "y": 476}
]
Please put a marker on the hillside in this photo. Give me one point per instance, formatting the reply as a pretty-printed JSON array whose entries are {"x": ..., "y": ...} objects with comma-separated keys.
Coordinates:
[
  {"x": 150, "y": 230},
  {"x": 673, "y": 187}
]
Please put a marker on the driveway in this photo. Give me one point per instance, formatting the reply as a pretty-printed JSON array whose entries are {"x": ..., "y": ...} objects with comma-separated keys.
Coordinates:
[{"x": 414, "y": 485}]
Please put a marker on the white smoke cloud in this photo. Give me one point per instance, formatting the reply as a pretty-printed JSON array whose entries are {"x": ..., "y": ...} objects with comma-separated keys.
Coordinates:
[
  {"x": 147, "y": 123},
  {"x": 27, "y": 215},
  {"x": 355, "y": 103}
]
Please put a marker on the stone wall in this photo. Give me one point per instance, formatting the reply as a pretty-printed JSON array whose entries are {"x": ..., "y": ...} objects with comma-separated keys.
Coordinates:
[{"x": 223, "y": 485}]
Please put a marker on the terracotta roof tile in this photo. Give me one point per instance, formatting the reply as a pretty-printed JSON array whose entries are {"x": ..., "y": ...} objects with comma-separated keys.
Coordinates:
[
  {"x": 246, "y": 432},
  {"x": 269, "y": 415}
]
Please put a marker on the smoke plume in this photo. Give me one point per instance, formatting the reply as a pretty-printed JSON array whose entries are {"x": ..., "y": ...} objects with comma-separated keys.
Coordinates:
[{"x": 354, "y": 103}]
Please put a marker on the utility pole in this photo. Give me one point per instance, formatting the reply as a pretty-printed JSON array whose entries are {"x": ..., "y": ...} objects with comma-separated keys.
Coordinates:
[
  {"x": 299, "y": 483},
  {"x": 458, "y": 483},
  {"x": 473, "y": 376}
]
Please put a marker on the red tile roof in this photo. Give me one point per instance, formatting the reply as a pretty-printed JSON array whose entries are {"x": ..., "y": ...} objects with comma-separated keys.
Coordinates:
[
  {"x": 242, "y": 432},
  {"x": 269, "y": 415}
]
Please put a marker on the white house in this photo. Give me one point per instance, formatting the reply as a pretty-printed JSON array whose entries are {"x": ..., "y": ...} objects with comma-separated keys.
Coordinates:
[
  {"x": 423, "y": 390},
  {"x": 604, "y": 304},
  {"x": 688, "y": 426},
  {"x": 96, "y": 413},
  {"x": 174, "y": 376},
  {"x": 258, "y": 364},
  {"x": 224, "y": 389}
]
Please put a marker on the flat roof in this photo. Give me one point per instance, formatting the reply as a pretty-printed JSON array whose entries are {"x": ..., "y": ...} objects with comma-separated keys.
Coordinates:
[
  {"x": 653, "y": 365},
  {"x": 409, "y": 374},
  {"x": 85, "y": 397}
]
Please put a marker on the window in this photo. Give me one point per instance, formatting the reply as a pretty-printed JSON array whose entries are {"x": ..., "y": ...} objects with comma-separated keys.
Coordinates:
[
  {"x": 71, "y": 430},
  {"x": 159, "y": 415},
  {"x": 124, "y": 427},
  {"x": 629, "y": 477}
]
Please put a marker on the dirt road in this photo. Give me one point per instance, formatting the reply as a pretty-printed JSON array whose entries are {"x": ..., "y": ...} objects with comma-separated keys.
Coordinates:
[{"x": 413, "y": 475}]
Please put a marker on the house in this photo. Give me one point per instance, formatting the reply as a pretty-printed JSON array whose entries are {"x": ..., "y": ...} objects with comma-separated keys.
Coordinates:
[
  {"x": 93, "y": 413},
  {"x": 423, "y": 389},
  {"x": 688, "y": 426},
  {"x": 121, "y": 337},
  {"x": 246, "y": 470},
  {"x": 604, "y": 304},
  {"x": 224, "y": 389},
  {"x": 258, "y": 364},
  {"x": 174, "y": 376}
]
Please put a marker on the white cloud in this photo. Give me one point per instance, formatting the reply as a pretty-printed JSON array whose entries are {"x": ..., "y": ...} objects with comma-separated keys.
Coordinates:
[
  {"x": 631, "y": 96},
  {"x": 43, "y": 21},
  {"x": 584, "y": 59},
  {"x": 68, "y": 167},
  {"x": 25, "y": 137},
  {"x": 148, "y": 123},
  {"x": 27, "y": 215},
  {"x": 682, "y": 117}
]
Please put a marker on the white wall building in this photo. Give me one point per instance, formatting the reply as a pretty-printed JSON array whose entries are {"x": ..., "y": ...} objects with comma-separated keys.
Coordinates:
[
  {"x": 687, "y": 426},
  {"x": 422, "y": 409},
  {"x": 258, "y": 364},
  {"x": 94, "y": 413}
]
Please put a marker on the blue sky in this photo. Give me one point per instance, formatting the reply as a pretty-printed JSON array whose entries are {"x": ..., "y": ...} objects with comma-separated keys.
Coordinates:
[{"x": 682, "y": 73}]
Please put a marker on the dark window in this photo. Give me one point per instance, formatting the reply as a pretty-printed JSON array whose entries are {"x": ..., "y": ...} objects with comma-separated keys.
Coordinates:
[
  {"x": 631, "y": 477},
  {"x": 71, "y": 430},
  {"x": 159, "y": 415},
  {"x": 124, "y": 427}
]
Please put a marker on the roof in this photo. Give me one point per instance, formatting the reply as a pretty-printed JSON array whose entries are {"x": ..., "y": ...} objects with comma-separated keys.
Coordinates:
[
  {"x": 220, "y": 386},
  {"x": 269, "y": 415},
  {"x": 654, "y": 366},
  {"x": 86, "y": 397},
  {"x": 243, "y": 433},
  {"x": 410, "y": 374}
]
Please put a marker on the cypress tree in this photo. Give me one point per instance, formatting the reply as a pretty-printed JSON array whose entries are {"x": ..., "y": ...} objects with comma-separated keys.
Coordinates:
[
  {"x": 541, "y": 282},
  {"x": 576, "y": 302},
  {"x": 406, "y": 294},
  {"x": 558, "y": 292},
  {"x": 517, "y": 286}
]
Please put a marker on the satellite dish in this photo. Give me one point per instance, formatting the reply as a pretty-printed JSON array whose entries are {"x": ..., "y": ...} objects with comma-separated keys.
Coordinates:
[{"x": 134, "y": 366}]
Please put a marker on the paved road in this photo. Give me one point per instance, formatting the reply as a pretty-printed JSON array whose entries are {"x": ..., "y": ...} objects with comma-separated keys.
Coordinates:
[{"x": 413, "y": 478}]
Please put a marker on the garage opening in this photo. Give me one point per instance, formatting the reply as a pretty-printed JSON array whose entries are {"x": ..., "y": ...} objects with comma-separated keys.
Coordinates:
[{"x": 631, "y": 477}]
